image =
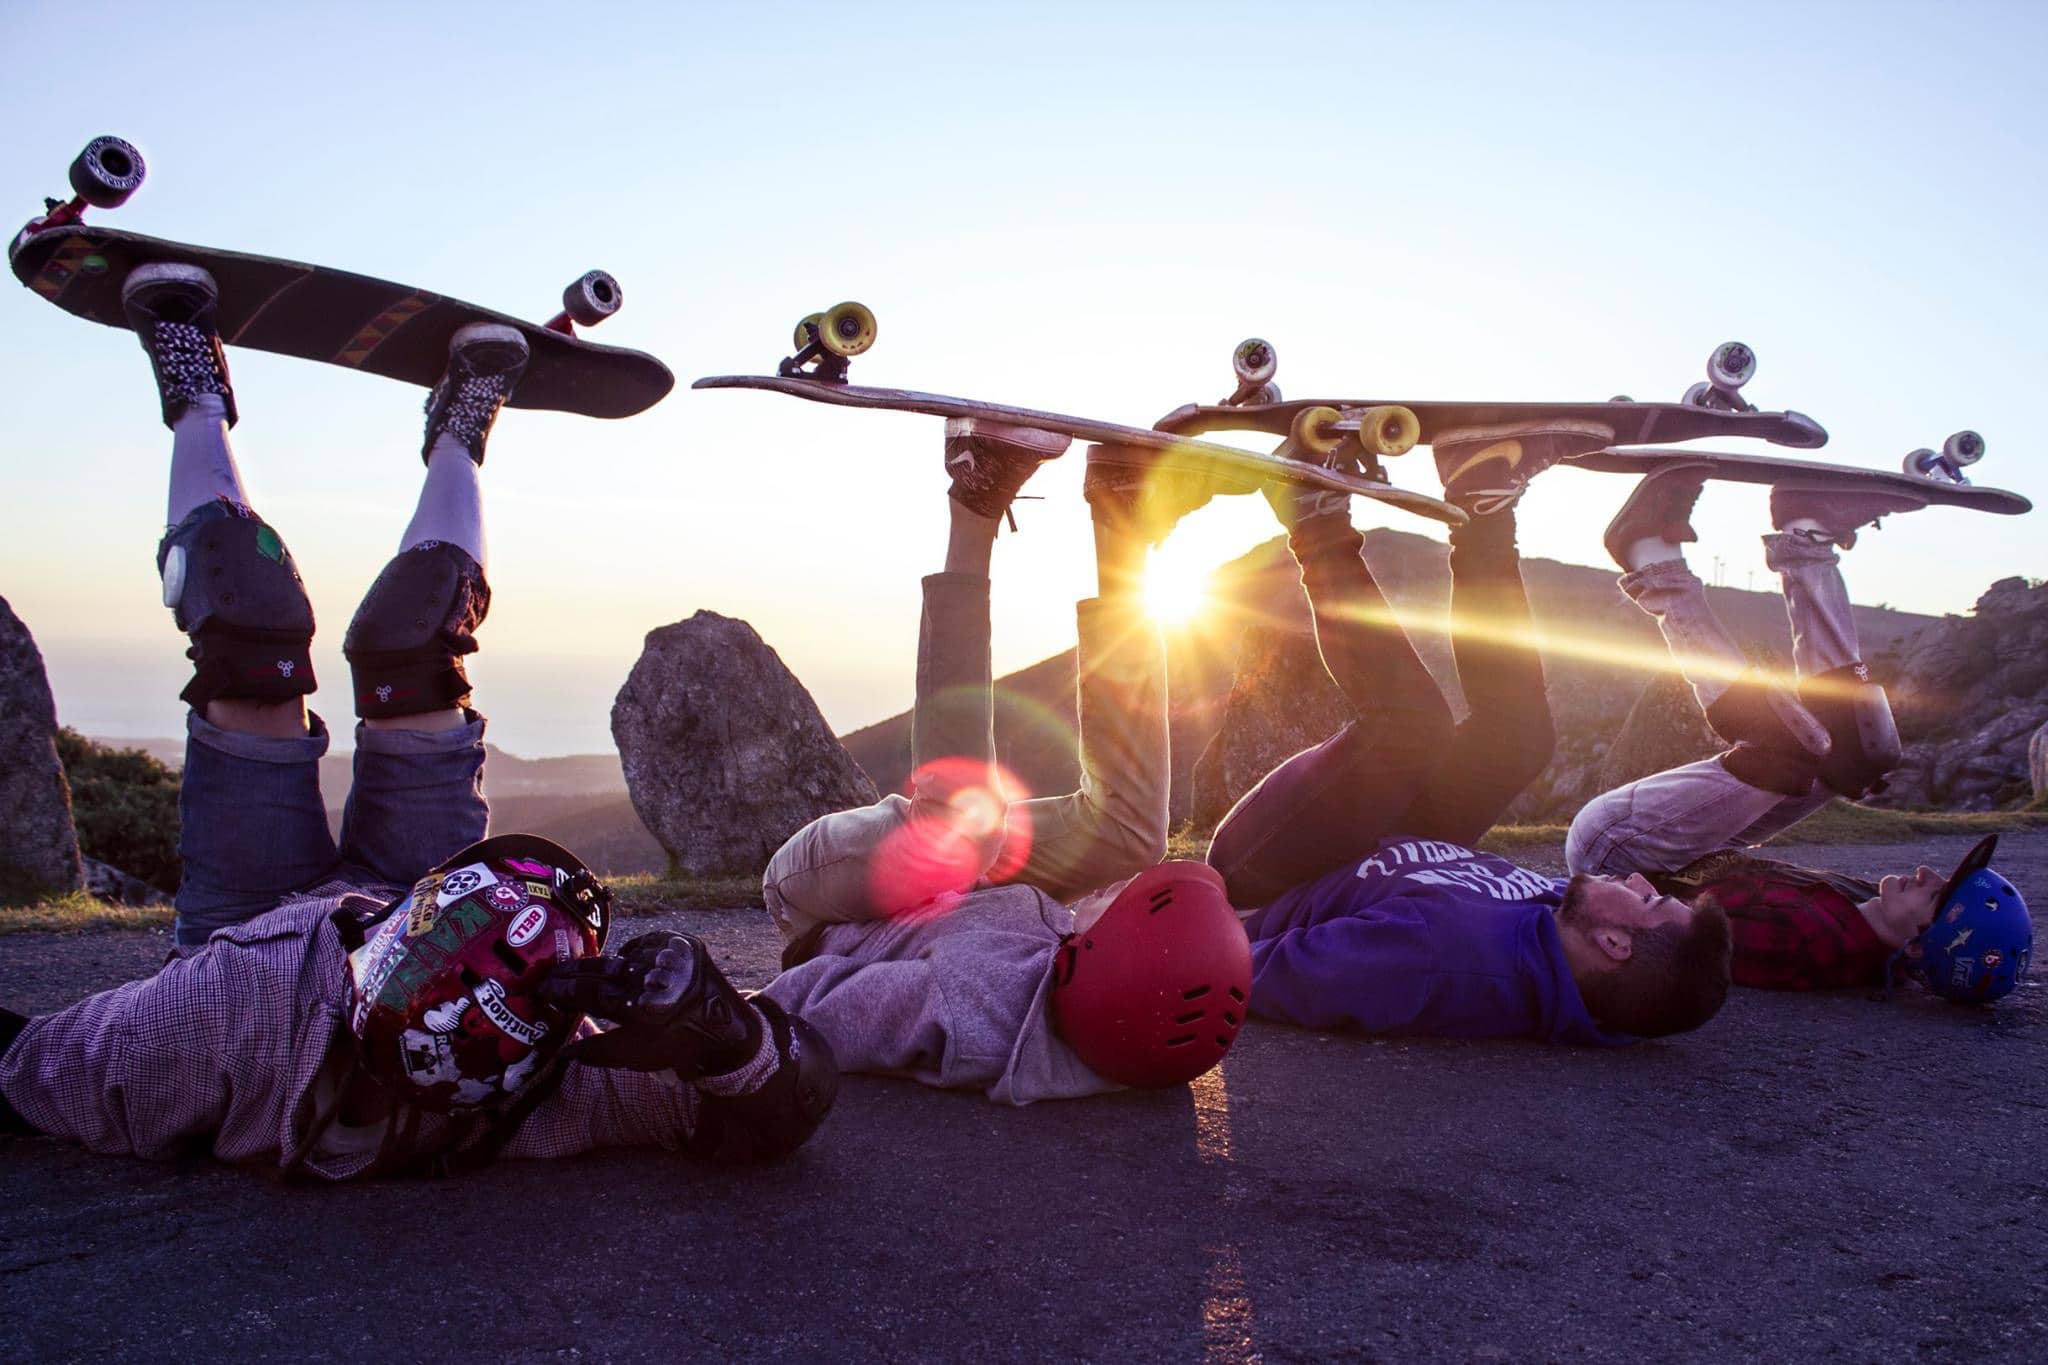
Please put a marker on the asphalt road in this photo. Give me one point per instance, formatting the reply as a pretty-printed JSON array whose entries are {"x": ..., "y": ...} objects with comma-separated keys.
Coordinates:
[{"x": 1819, "y": 1177}]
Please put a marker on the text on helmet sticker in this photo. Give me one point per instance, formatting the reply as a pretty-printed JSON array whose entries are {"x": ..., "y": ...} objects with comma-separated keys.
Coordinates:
[
  {"x": 527, "y": 927},
  {"x": 490, "y": 998}
]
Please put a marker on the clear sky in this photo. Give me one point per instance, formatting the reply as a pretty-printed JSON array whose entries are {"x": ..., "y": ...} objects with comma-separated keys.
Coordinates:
[{"x": 1080, "y": 207}]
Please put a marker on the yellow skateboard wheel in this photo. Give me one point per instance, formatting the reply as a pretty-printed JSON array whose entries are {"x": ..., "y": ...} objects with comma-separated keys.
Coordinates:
[
  {"x": 847, "y": 329},
  {"x": 1315, "y": 431},
  {"x": 807, "y": 330},
  {"x": 1389, "y": 430}
]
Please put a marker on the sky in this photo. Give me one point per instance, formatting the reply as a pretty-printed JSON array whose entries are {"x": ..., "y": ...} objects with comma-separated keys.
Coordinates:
[{"x": 1080, "y": 207}]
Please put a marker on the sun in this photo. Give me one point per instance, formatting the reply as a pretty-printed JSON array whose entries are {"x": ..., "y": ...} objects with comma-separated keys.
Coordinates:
[{"x": 1176, "y": 589}]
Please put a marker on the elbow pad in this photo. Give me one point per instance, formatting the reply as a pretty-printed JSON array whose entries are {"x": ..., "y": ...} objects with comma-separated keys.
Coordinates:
[
  {"x": 779, "y": 1116},
  {"x": 406, "y": 643}
]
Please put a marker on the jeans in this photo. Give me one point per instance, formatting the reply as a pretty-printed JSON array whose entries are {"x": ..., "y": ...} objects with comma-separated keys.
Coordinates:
[
  {"x": 1399, "y": 765},
  {"x": 253, "y": 829}
]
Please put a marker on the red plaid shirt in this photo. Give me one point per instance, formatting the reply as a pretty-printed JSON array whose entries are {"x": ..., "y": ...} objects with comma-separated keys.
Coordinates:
[
  {"x": 226, "y": 1049},
  {"x": 1794, "y": 929}
]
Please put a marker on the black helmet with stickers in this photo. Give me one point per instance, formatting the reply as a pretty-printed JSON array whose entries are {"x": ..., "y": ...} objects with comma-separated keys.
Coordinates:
[{"x": 444, "y": 993}]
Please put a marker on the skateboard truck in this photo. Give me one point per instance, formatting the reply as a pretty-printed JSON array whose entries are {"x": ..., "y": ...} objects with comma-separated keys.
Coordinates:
[
  {"x": 588, "y": 301},
  {"x": 826, "y": 342},
  {"x": 1255, "y": 362},
  {"x": 1342, "y": 440},
  {"x": 1730, "y": 367},
  {"x": 1946, "y": 465},
  {"x": 102, "y": 177}
]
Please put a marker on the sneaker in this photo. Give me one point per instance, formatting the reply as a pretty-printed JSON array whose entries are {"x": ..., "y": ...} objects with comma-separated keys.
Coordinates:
[
  {"x": 485, "y": 360},
  {"x": 1152, "y": 490},
  {"x": 1838, "y": 510},
  {"x": 1658, "y": 508},
  {"x": 173, "y": 309},
  {"x": 1295, "y": 503},
  {"x": 990, "y": 461},
  {"x": 1485, "y": 469}
]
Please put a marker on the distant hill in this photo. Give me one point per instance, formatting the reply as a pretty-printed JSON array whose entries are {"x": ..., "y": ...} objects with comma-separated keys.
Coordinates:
[{"x": 1599, "y": 650}]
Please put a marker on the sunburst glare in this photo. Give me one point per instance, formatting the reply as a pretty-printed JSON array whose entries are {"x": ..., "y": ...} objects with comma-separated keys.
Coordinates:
[{"x": 1176, "y": 586}]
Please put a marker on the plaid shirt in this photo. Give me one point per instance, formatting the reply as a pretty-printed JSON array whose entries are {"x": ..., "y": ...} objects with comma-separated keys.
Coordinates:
[
  {"x": 225, "y": 1049},
  {"x": 1794, "y": 929}
]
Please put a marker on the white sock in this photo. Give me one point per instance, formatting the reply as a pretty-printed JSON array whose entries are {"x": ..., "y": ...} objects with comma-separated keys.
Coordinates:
[
  {"x": 202, "y": 466},
  {"x": 451, "y": 506},
  {"x": 1652, "y": 550}
]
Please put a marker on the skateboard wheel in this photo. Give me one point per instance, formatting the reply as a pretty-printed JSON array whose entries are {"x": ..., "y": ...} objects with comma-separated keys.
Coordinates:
[
  {"x": 1269, "y": 394},
  {"x": 1921, "y": 463},
  {"x": 846, "y": 329},
  {"x": 1731, "y": 366},
  {"x": 1965, "y": 447},
  {"x": 807, "y": 330},
  {"x": 1389, "y": 430},
  {"x": 1254, "y": 360},
  {"x": 1621, "y": 398},
  {"x": 592, "y": 299},
  {"x": 107, "y": 172},
  {"x": 1696, "y": 396},
  {"x": 1315, "y": 430}
]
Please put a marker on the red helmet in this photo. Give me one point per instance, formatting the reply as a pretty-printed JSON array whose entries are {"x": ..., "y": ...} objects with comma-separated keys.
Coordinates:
[
  {"x": 1152, "y": 994},
  {"x": 444, "y": 993}
]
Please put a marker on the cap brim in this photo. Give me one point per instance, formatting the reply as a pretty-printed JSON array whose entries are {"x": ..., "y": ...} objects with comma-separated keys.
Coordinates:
[{"x": 1975, "y": 861}]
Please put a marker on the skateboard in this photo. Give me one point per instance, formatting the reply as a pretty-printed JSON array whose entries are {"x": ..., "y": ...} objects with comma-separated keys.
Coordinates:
[
  {"x": 317, "y": 313},
  {"x": 827, "y": 341},
  {"x": 1713, "y": 408},
  {"x": 1935, "y": 488}
]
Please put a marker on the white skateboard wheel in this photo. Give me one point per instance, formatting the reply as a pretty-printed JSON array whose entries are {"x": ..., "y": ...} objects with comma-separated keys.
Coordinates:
[
  {"x": 1731, "y": 366},
  {"x": 1965, "y": 447},
  {"x": 1255, "y": 360}
]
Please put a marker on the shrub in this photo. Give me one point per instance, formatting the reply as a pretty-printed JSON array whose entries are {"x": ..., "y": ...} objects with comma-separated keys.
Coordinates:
[{"x": 125, "y": 805}]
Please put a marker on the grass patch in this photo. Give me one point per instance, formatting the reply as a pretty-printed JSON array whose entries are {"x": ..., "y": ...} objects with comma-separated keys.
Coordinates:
[
  {"x": 1842, "y": 822},
  {"x": 1505, "y": 840},
  {"x": 647, "y": 894},
  {"x": 78, "y": 913}
]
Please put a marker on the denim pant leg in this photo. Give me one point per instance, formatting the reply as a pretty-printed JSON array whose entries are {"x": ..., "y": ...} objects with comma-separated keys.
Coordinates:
[
  {"x": 251, "y": 826},
  {"x": 1666, "y": 820},
  {"x": 418, "y": 798}
]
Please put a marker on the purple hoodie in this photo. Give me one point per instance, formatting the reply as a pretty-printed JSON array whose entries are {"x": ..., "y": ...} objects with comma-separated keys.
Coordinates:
[{"x": 1423, "y": 938}]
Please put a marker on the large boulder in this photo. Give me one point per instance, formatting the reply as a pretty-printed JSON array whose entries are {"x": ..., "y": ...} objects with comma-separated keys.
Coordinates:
[
  {"x": 38, "y": 846},
  {"x": 1664, "y": 729},
  {"x": 1970, "y": 692},
  {"x": 725, "y": 753},
  {"x": 1281, "y": 702},
  {"x": 2037, "y": 763}
]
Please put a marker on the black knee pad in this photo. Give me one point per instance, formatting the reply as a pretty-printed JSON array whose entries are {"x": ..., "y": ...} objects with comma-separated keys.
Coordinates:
[
  {"x": 1752, "y": 712},
  {"x": 1858, "y": 717},
  {"x": 779, "y": 1117},
  {"x": 406, "y": 643},
  {"x": 232, "y": 587}
]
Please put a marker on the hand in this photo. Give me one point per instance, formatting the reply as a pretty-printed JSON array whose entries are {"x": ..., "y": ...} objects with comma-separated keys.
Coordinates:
[{"x": 674, "y": 1009}]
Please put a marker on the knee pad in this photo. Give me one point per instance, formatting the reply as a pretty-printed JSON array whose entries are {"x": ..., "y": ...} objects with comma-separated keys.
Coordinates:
[
  {"x": 1858, "y": 717},
  {"x": 1786, "y": 772},
  {"x": 406, "y": 643},
  {"x": 233, "y": 589},
  {"x": 782, "y": 1114},
  {"x": 1756, "y": 713}
]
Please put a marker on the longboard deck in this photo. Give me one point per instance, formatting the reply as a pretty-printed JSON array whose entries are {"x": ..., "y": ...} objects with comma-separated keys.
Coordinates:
[
  {"x": 1774, "y": 469},
  {"x": 337, "y": 317},
  {"x": 1630, "y": 422},
  {"x": 1255, "y": 464}
]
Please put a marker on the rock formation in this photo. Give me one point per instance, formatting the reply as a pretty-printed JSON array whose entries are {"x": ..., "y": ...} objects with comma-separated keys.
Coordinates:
[
  {"x": 1665, "y": 728},
  {"x": 725, "y": 753},
  {"x": 1281, "y": 701},
  {"x": 38, "y": 846}
]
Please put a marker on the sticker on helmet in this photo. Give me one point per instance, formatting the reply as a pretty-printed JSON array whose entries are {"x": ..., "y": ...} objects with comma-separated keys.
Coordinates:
[
  {"x": 427, "y": 1057},
  {"x": 1992, "y": 959},
  {"x": 1961, "y": 971},
  {"x": 540, "y": 889},
  {"x": 506, "y": 896},
  {"x": 419, "y": 918},
  {"x": 446, "y": 1017},
  {"x": 464, "y": 880},
  {"x": 1959, "y": 940},
  {"x": 490, "y": 997},
  {"x": 565, "y": 947},
  {"x": 527, "y": 867},
  {"x": 527, "y": 927}
]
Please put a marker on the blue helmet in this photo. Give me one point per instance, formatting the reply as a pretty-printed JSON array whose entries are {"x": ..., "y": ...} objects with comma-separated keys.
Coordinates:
[{"x": 1977, "y": 946}]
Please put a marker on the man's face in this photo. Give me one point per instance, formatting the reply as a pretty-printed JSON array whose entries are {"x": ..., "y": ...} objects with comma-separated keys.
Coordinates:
[
  {"x": 1626, "y": 903},
  {"x": 1905, "y": 905}
]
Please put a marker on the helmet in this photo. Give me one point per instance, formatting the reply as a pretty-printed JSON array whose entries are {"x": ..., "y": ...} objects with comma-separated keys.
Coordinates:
[
  {"x": 444, "y": 1000},
  {"x": 1977, "y": 946},
  {"x": 1152, "y": 993}
]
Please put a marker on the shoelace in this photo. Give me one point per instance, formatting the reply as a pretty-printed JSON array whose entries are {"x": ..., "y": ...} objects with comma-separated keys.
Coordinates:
[{"x": 188, "y": 360}]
